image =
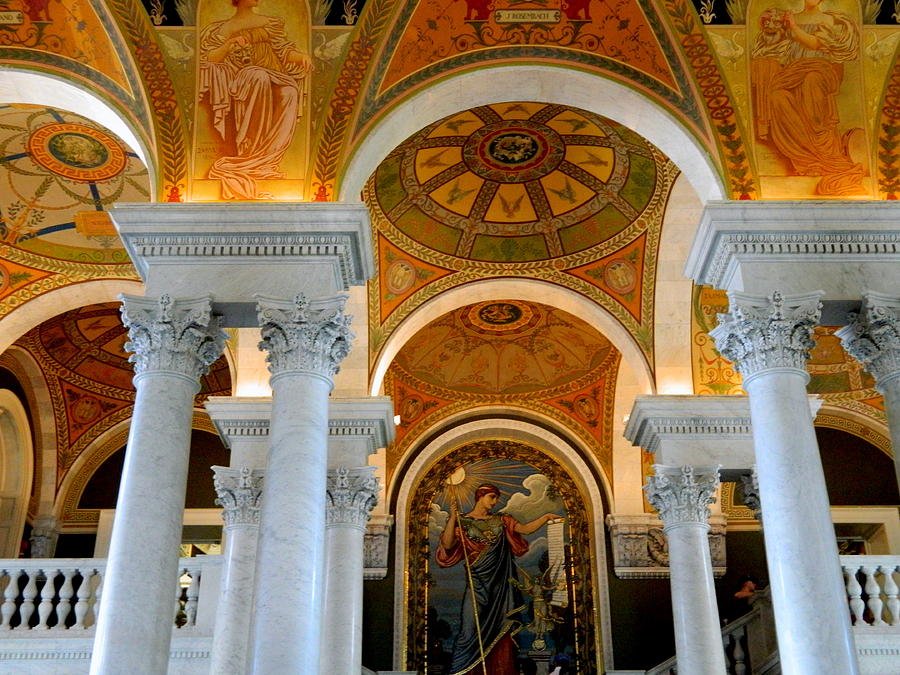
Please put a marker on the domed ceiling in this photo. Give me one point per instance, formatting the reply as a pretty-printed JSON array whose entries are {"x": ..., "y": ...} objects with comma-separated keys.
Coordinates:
[
  {"x": 504, "y": 347},
  {"x": 82, "y": 357},
  {"x": 520, "y": 189},
  {"x": 61, "y": 173},
  {"x": 517, "y": 182},
  {"x": 511, "y": 353}
]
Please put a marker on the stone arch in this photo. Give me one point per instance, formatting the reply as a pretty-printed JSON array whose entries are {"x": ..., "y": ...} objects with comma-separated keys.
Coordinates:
[
  {"x": 528, "y": 433},
  {"x": 53, "y": 303},
  {"x": 16, "y": 471},
  {"x": 515, "y": 289},
  {"x": 35, "y": 88},
  {"x": 550, "y": 84}
]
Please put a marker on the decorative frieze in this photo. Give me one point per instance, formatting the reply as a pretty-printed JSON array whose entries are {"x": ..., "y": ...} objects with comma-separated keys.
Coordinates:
[
  {"x": 761, "y": 334},
  {"x": 375, "y": 546},
  {"x": 641, "y": 550},
  {"x": 304, "y": 335},
  {"x": 872, "y": 337},
  {"x": 171, "y": 335},
  {"x": 239, "y": 491},
  {"x": 682, "y": 495},
  {"x": 352, "y": 494}
]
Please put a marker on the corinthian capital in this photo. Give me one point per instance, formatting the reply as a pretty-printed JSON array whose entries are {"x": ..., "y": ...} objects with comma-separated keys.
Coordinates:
[
  {"x": 238, "y": 491},
  {"x": 352, "y": 494},
  {"x": 761, "y": 334},
  {"x": 682, "y": 495},
  {"x": 872, "y": 336},
  {"x": 305, "y": 335},
  {"x": 174, "y": 336}
]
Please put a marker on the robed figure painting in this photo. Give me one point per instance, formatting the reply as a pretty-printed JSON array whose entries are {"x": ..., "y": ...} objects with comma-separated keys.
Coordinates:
[
  {"x": 254, "y": 80},
  {"x": 797, "y": 71},
  {"x": 496, "y": 564}
]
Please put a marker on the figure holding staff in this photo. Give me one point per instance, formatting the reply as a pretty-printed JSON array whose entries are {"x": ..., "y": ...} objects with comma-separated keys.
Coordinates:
[{"x": 487, "y": 543}]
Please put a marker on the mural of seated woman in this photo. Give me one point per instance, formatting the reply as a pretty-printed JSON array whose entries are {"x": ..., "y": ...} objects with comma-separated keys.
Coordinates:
[
  {"x": 487, "y": 543},
  {"x": 255, "y": 81}
]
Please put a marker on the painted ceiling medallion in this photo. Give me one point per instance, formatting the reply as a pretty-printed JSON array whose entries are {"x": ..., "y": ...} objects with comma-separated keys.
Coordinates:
[
  {"x": 77, "y": 152},
  {"x": 517, "y": 182},
  {"x": 501, "y": 318}
]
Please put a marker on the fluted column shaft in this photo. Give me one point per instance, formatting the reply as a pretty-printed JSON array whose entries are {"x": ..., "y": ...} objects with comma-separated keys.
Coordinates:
[
  {"x": 769, "y": 340},
  {"x": 238, "y": 491},
  {"x": 352, "y": 493},
  {"x": 682, "y": 495},
  {"x": 872, "y": 337},
  {"x": 305, "y": 341},
  {"x": 174, "y": 342}
]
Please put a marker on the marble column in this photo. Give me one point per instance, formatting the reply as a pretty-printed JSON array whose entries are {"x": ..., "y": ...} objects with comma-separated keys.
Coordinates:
[
  {"x": 769, "y": 340},
  {"x": 681, "y": 495},
  {"x": 238, "y": 491},
  {"x": 44, "y": 533},
  {"x": 243, "y": 425},
  {"x": 174, "y": 343},
  {"x": 352, "y": 493},
  {"x": 872, "y": 337},
  {"x": 306, "y": 340}
]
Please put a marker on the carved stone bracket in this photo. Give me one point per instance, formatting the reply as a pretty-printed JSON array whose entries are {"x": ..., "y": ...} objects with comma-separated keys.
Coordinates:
[
  {"x": 761, "y": 334},
  {"x": 174, "y": 336},
  {"x": 641, "y": 549},
  {"x": 304, "y": 335},
  {"x": 750, "y": 481},
  {"x": 352, "y": 494},
  {"x": 375, "y": 546},
  {"x": 872, "y": 337},
  {"x": 238, "y": 490}
]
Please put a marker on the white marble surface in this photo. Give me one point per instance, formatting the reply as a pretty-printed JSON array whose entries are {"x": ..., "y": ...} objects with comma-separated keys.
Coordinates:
[
  {"x": 231, "y": 636},
  {"x": 134, "y": 626},
  {"x": 841, "y": 247},
  {"x": 291, "y": 552},
  {"x": 808, "y": 592}
]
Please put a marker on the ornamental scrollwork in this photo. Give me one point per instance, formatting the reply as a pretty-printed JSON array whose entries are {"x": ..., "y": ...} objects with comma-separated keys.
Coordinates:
[
  {"x": 682, "y": 494},
  {"x": 765, "y": 333},
  {"x": 304, "y": 335},
  {"x": 171, "y": 335},
  {"x": 239, "y": 491},
  {"x": 872, "y": 337},
  {"x": 352, "y": 494}
]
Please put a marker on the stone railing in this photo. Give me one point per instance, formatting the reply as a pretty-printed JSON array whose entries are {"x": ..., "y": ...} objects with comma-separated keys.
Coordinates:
[
  {"x": 872, "y": 590},
  {"x": 62, "y": 595},
  {"x": 749, "y": 642}
]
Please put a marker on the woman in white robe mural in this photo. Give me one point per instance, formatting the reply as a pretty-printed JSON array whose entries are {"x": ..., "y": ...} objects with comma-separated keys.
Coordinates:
[{"x": 255, "y": 81}]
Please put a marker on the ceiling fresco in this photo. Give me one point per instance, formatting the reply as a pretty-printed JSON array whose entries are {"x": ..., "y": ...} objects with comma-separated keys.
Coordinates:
[
  {"x": 519, "y": 189},
  {"x": 61, "y": 172},
  {"x": 83, "y": 361},
  {"x": 509, "y": 353}
]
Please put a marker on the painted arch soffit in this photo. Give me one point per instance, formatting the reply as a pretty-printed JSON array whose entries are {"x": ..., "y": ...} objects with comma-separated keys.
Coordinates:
[
  {"x": 82, "y": 357},
  {"x": 517, "y": 190},
  {"x": 507, "y": 355}
]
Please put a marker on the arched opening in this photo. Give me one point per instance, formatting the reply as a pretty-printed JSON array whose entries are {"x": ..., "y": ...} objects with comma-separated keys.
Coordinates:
[{"x": 16, "y": 470}]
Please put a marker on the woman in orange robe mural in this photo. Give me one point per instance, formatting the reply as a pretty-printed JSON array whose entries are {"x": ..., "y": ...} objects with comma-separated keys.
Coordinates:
[
  {"x": 255, "y": 80},
  {"x": 487, "y": 544},
  {"x": 797, "y": 70}
]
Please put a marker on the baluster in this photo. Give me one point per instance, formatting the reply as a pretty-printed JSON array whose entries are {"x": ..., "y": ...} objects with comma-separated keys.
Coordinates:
[
  {"x": 10, "y": 592},
  {"x": 193, "y": 592},
  {"x": 28, "y": 595},
  {"x": 854, "y": 590},
  {"x": 873, "y": 590},
  {"x": 891, "y": 590},
  {"x": 83, "y": 596},
  {"x": 64, "y": 606},
  {"x": 740, "y": 668},
  {"x": 48, "y": 590}
]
